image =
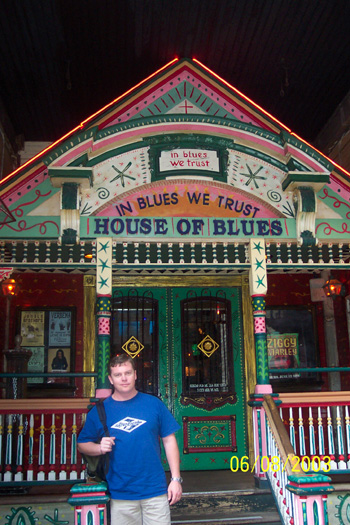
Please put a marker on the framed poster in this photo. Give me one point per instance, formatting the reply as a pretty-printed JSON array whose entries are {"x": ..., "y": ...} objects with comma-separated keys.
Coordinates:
[
  {"x": 291, "y": 342},
  {"x": 49, "y": 333},
  {"x": 32, "y": 327},
  {"x": 58, "y": 360},
  {"x": 60, "y": 323},
  {"x": 36, "y": 363},
  {"x": 282, "y": 353}
]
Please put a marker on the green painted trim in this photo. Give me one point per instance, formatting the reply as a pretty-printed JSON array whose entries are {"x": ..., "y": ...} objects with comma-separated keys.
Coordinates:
[
  {"x": 89, "y": 488},
  {"x": 305, "y": 177},
  {"x": 70, "y": 143},
  {"x": 311, "y": 478},
  {"x": 114, "y": 152},
  {"x": 70, "y": 196},
  {"x": 302, "y": 491},
  {"x": 163, "y": 119},
  {"x": 94, "y": 500},
  {"x": 68, "y": 173},
  {"x": 292, "y": 140}
]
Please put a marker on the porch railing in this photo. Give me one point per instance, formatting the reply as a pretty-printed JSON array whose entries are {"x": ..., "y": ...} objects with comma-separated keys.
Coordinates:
[
  {"x": 38, "y": 440},
  {"x": 301, "y": 498},
  {"x": 319, "y": 429}
]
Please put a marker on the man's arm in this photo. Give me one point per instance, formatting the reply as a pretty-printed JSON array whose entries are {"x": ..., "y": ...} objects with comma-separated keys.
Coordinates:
[
  {"x": 95, "y": 449},
  {"x": 173, "y": 457}
]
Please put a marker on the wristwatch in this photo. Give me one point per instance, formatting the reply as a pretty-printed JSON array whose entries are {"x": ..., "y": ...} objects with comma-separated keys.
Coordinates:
[{"x": 180, "y": 480}]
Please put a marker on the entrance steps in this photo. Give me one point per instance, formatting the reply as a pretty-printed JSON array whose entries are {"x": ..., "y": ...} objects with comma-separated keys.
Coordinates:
[{"x": 223, "y": 498}]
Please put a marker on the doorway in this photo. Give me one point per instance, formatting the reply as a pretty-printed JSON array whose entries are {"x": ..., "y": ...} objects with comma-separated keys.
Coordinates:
[{"x": 187, "y": 343}]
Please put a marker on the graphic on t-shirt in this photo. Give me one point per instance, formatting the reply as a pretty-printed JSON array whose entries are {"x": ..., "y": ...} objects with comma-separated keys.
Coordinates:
[{"x": 128, "y": 424}]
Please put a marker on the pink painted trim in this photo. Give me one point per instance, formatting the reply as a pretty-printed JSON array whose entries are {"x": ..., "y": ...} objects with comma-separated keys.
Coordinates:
[
  {"x": 103, "y": 392},
  {"x": 263, "y": 389},
  {"x": 301, "y": 155},
  {"x": 72, "y": 153},
  {"x": 190, "y": 126}
]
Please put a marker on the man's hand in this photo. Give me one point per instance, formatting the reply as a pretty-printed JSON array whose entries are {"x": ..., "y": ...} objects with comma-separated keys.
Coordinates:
[
  {"x": 174, "y": 492},
  {"x": 106, "y": 444}
]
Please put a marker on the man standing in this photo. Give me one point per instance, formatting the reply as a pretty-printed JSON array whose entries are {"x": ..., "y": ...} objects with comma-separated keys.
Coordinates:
[{"x": 136, "y": 478}]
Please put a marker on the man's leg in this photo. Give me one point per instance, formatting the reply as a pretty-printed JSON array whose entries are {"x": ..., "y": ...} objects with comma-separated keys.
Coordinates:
[
  {"x": 125, "y": 512},
  {"x": 155, "y": 511}
]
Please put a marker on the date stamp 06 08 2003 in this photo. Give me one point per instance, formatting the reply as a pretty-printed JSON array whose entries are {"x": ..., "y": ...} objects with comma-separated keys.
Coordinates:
[{"x": 305, "y": 464}]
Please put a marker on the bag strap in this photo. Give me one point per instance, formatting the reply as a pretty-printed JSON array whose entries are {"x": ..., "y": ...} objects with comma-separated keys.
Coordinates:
[
  {"x": 102, "y": 415},
  {"x": 101, "y": 411}
]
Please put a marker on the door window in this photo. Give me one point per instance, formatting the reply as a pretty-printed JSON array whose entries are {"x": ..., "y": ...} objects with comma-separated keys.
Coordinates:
[
  {"x": 135, "y": 332},
  {"x": 206, "y": 331}
]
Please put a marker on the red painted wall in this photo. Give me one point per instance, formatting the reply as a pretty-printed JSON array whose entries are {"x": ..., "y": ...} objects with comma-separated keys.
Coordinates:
[{"x": 48, "y": 290}]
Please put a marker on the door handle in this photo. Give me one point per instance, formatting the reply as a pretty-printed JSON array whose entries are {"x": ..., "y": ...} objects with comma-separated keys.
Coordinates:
[{"x": 166, "y": 390}]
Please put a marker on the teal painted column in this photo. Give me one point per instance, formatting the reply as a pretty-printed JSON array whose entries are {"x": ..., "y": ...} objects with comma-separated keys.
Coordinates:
[
  {"x": 258, "y": 291},
  {"x": 259, "y": 315},
  {"x": 104, "y": 343},
  {"x": 103, "y": 311}
]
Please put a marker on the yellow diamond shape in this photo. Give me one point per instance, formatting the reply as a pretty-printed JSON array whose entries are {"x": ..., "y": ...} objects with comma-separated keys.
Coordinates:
[
  {"x": 132, "y": 347},
  {"x": 208, "y": 346}
]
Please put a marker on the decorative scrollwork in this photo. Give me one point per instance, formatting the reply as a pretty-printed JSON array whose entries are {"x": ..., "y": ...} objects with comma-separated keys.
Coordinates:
[
  {"x": 274, "y": 196},
  {"x": 103, "y": 193}
]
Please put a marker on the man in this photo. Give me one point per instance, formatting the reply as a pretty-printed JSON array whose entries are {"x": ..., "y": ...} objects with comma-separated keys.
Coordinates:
[{"x": 136, "y": 478}]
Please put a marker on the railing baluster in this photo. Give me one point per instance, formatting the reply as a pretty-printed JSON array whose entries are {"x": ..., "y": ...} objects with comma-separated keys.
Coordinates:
[
  {"x": 41, "y": 460},
  {"x": 347, "y": 431},
  {"x": 312, "y": 434},
  {"x": 302, "y": 450},
  {"x": 73, "y": 451},
  {"x": 331, "y": 447},
  {"x": 19, "y": 458},
  {"x": 8, "y": 476},
  {"x": 63, "y": 472},
  {"x": 291, "y": 428},
  {"x": 340, "y": 441},
  {"x": 30, "y": 470},
  {"x": 52, "y": 460}
]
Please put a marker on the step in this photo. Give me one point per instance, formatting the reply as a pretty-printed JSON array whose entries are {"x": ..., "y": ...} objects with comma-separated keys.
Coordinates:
[{"x": 225, "y": 508}]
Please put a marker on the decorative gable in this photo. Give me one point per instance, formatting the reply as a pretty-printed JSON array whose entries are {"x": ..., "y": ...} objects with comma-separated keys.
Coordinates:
[{"x": 184, "y": 155}]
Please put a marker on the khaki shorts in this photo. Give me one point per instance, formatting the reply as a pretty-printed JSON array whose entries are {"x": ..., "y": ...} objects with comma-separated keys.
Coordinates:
[{"x": 151, "y": 511}]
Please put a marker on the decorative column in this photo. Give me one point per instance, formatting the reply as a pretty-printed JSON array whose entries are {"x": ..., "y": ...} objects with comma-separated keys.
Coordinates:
[
  {"x": 258, "y": 289},
  {"x": 310, "y": 498},
  {"x": 104, "y": 294},
  {"x": 89, "y": 501}
]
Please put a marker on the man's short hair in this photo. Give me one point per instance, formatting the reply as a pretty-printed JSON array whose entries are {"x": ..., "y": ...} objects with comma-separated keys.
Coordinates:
[{"x": 121, "y": 359}]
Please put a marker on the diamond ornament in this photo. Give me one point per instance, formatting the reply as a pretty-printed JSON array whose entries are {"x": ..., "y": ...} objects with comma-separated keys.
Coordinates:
[
  {"x": 208, "y": 346},
  {"x": 132, "y": 347}
]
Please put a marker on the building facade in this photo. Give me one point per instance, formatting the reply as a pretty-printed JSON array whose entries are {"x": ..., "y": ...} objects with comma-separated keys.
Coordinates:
[{"x": 184, "y": 225}]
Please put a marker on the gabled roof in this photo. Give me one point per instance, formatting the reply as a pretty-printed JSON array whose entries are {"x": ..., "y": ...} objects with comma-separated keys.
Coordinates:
[{"x": 182, "y": 89}]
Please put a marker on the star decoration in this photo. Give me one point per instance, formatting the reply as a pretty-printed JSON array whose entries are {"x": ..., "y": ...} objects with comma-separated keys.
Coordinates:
[
  {"x": 122, "y": 174},
  {"x": 259, "y": 264},
  {"x": 252, "y": 177},
  {"x": 103, "y": 247},
  {"x": 259, "y": 282},
  {"x": 103, "y": 282},
  {"x": 257, "y": 246},
  {"x": 103, "y": 265}
]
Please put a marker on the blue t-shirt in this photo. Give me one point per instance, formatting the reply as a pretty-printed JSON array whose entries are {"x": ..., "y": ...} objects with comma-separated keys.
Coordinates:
[{"x": 135, "y": 470}]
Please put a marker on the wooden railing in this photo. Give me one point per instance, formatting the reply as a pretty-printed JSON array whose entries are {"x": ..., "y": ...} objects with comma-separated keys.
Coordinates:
[
  {"x": 301, "y": 498},
  {"x": 38, "y": 440},
  {"x": 319, "y": 429}
]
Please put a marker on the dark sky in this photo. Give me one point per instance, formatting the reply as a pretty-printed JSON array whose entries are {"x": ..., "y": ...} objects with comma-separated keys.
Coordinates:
[{"x": 62, "y": 60}]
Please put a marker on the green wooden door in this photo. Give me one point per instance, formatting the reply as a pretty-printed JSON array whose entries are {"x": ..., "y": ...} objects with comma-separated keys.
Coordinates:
[{"x": 187, "y": 344}]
